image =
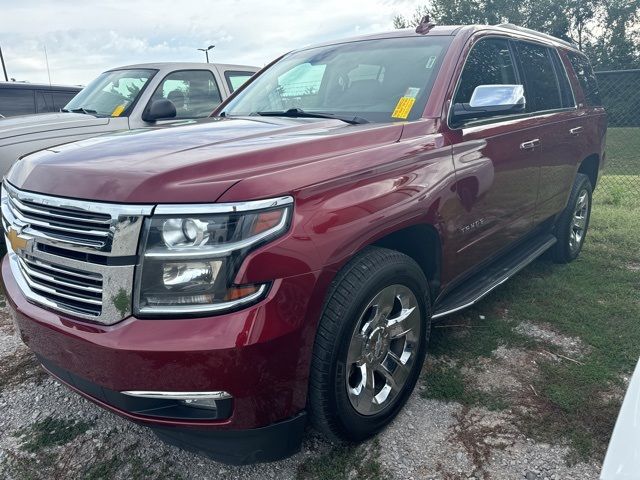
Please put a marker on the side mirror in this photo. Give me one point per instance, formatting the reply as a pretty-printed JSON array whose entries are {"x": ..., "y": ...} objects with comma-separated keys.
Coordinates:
[
  {"x": 490, "y": 101},
  {"x": 159, "y": 109}
]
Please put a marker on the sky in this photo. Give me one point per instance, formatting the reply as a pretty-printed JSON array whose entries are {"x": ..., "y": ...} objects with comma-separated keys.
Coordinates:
[{"x": 86, "y": 37}]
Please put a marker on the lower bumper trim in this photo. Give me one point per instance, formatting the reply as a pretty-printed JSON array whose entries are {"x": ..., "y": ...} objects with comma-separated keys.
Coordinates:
[{"x": 240, "y": 447}]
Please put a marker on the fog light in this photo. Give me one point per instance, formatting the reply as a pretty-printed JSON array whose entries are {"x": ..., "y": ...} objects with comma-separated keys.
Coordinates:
[{"x": 208, "y": 403}]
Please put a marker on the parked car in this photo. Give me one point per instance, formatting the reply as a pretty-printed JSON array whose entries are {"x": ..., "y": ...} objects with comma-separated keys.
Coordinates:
[
  {"x": 622, "y": 461},
  {"x": 124, "y": 98},
  {"x": 21, "y": 98},
  {"x": 227, "y": 281}
]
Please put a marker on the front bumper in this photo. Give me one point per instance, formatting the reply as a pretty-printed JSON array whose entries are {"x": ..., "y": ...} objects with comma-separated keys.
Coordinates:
[{"x": 260, "y": 355}]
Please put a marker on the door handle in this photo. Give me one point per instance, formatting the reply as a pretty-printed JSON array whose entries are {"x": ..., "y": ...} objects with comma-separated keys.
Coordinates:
[
  {"x": 530, "y": 145},
  {"x": 576, "y": 131}
]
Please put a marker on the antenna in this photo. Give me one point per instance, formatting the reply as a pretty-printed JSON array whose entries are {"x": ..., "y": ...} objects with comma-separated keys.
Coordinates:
[
  {"x": 425, "y": 25},
  {"x": 4, "y": 68},
  {"x": 46, "y": 58}
]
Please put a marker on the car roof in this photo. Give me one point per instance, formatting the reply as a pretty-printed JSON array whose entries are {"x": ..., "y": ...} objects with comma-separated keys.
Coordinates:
[
  {"x": 185, "y": 66},
  {"x": 455, "y": 30},
  {"x": 40, "y": 86}
]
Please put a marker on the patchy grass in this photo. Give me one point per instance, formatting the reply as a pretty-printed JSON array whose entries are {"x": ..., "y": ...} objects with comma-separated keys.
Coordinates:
[
  {"x": 50, "y": 432},
  {"x": 19, "y": 367},
  {"x": 129, "y": 464},
  {"x": 596, "y": 299},
  {"x": 446, "y": 383},
  {"x": 344, "y": 462}
]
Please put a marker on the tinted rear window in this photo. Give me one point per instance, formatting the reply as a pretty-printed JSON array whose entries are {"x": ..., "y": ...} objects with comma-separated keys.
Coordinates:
[
  {"x": 566, "y": 94},
  {"x": 586, "y": 77},
  {"x": 541, "y": 84},
  {"x": 14, "y": 101}
]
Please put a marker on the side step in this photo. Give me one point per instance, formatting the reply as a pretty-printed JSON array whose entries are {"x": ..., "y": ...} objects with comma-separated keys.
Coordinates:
[{"x": 480, "y": 284}]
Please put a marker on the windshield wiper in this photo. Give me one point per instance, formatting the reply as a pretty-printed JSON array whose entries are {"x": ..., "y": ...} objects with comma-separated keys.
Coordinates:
[
  {"x": 299, "y": 113},
  {"x": 86, "y": 111}
]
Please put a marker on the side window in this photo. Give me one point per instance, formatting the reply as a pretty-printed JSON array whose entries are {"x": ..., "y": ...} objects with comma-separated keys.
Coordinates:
[
  {"x": 235, "y": 79},
  {"x": 195, "y": 93},
  {"x": 541, "y": 84},
  {"x": 566, "y": 94},
  {"x": 489, "y": 63},
  {"x": 44, "y": 102},
  {"x": 587, "y": 78},
  {"x": 15, "y": 101},
  {"x": 60, "y": 99}
]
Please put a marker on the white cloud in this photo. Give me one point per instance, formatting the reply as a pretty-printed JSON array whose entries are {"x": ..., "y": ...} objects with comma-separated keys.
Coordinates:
[{"x": 86, "y": 37}]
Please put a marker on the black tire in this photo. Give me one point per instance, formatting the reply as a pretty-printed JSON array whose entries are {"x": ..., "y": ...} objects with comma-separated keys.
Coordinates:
[
  {"x": 567, "y": 248},
  {"x": 354, "y": 288}
]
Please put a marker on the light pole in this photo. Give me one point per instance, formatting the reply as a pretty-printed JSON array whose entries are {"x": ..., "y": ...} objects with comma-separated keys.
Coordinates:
[{"x": 206, "y": 51}]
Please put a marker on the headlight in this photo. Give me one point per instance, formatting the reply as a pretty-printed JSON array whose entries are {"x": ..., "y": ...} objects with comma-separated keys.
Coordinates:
[{"x": 190, "y": 258}]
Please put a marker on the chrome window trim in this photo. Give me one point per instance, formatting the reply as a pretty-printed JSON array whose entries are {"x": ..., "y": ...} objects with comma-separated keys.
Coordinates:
[{"x": 213, "y": 208}]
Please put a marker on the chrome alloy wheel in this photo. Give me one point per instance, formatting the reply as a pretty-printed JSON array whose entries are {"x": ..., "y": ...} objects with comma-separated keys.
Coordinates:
[
  {"x": 382, "y": 350},
  {"x": 579, "y": 223}
]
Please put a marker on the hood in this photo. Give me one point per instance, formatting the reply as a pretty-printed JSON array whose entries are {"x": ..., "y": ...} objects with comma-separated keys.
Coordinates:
[
  {"x": 47, "y": 122},
  {"x": 189, "y": 163}
]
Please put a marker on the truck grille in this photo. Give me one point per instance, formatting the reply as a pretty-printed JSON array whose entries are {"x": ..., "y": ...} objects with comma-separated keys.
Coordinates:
[
  {"x": 74, "y": 226},
  {"x": 77, "y": 291},
  {"x": 73, "y": 256}
]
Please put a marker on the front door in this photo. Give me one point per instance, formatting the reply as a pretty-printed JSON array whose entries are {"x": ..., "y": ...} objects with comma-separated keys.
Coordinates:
[{"x": 496, "y": 161}]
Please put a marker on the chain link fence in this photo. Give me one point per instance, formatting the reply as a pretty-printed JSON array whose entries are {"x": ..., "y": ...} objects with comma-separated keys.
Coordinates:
[{"x": 620, "y": 93}]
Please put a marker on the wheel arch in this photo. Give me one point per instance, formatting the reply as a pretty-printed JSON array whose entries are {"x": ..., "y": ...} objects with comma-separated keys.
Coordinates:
[
  {"x": 590, "y": 166},
  {"x": 422, "y": 243}
]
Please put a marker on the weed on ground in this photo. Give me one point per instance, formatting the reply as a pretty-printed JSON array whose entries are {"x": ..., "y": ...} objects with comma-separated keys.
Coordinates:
[{"x": 592, "y": 306}]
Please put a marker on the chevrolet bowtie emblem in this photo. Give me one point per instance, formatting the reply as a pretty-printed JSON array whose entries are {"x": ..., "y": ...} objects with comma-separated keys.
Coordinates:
[{"x": 17, "y": 242}]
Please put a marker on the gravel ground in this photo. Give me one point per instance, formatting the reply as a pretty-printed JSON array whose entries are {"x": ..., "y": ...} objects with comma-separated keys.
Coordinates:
[{"x": 429, "y": 440}]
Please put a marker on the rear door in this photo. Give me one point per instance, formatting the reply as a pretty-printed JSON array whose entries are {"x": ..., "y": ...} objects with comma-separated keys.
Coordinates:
[{"x": 551, "y": 104}]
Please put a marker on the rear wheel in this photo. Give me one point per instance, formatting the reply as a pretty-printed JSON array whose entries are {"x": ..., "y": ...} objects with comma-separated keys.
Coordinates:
[
  {"x": 370, "y": 344},
  {"x": 572, "y": 225}
]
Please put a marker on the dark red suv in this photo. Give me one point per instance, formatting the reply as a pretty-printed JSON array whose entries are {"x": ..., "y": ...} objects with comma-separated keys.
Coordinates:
[{"x": 226, "y": 281}]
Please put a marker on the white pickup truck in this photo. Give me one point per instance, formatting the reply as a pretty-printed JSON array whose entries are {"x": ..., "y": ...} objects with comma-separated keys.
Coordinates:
[{"x": 124, "y": 98}]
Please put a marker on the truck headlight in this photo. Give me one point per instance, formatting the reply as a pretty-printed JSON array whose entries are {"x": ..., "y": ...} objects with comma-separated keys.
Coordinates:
[{"x": 189, "y": 259}]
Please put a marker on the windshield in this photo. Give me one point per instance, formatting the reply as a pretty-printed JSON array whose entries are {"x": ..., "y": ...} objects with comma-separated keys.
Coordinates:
[
  {"x": 111, "y": 93},
  {"x": 375, "y": 80}
]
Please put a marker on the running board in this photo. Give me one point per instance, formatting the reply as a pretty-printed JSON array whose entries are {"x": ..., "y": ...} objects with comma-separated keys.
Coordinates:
[{"x": 482, "y": 283}]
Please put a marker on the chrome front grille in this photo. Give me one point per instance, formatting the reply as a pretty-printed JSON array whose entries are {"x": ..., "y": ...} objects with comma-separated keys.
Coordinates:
[
  {"x": 73, "y": 256},
  {"x": 70, "y": 225}
]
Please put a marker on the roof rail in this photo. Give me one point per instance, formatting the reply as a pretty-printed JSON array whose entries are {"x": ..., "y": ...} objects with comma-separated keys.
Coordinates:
[{"x": 546, "y": 36}]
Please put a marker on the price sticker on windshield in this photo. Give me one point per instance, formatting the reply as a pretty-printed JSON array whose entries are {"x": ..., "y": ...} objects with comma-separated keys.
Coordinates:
[
  {"x": 405, "y": 104},
  {"x": 117, "y": 111}
]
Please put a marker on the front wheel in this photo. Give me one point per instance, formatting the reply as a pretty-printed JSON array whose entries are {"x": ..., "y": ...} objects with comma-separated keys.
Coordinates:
[
  {"x": 572, "y": 225},
  {"x": 370, "y": 345}
]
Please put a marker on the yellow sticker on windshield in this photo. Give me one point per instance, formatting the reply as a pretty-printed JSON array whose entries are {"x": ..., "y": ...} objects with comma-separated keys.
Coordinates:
[
  {"x": 403, "y": 108},
  {"x": 117, "y": 111}
]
